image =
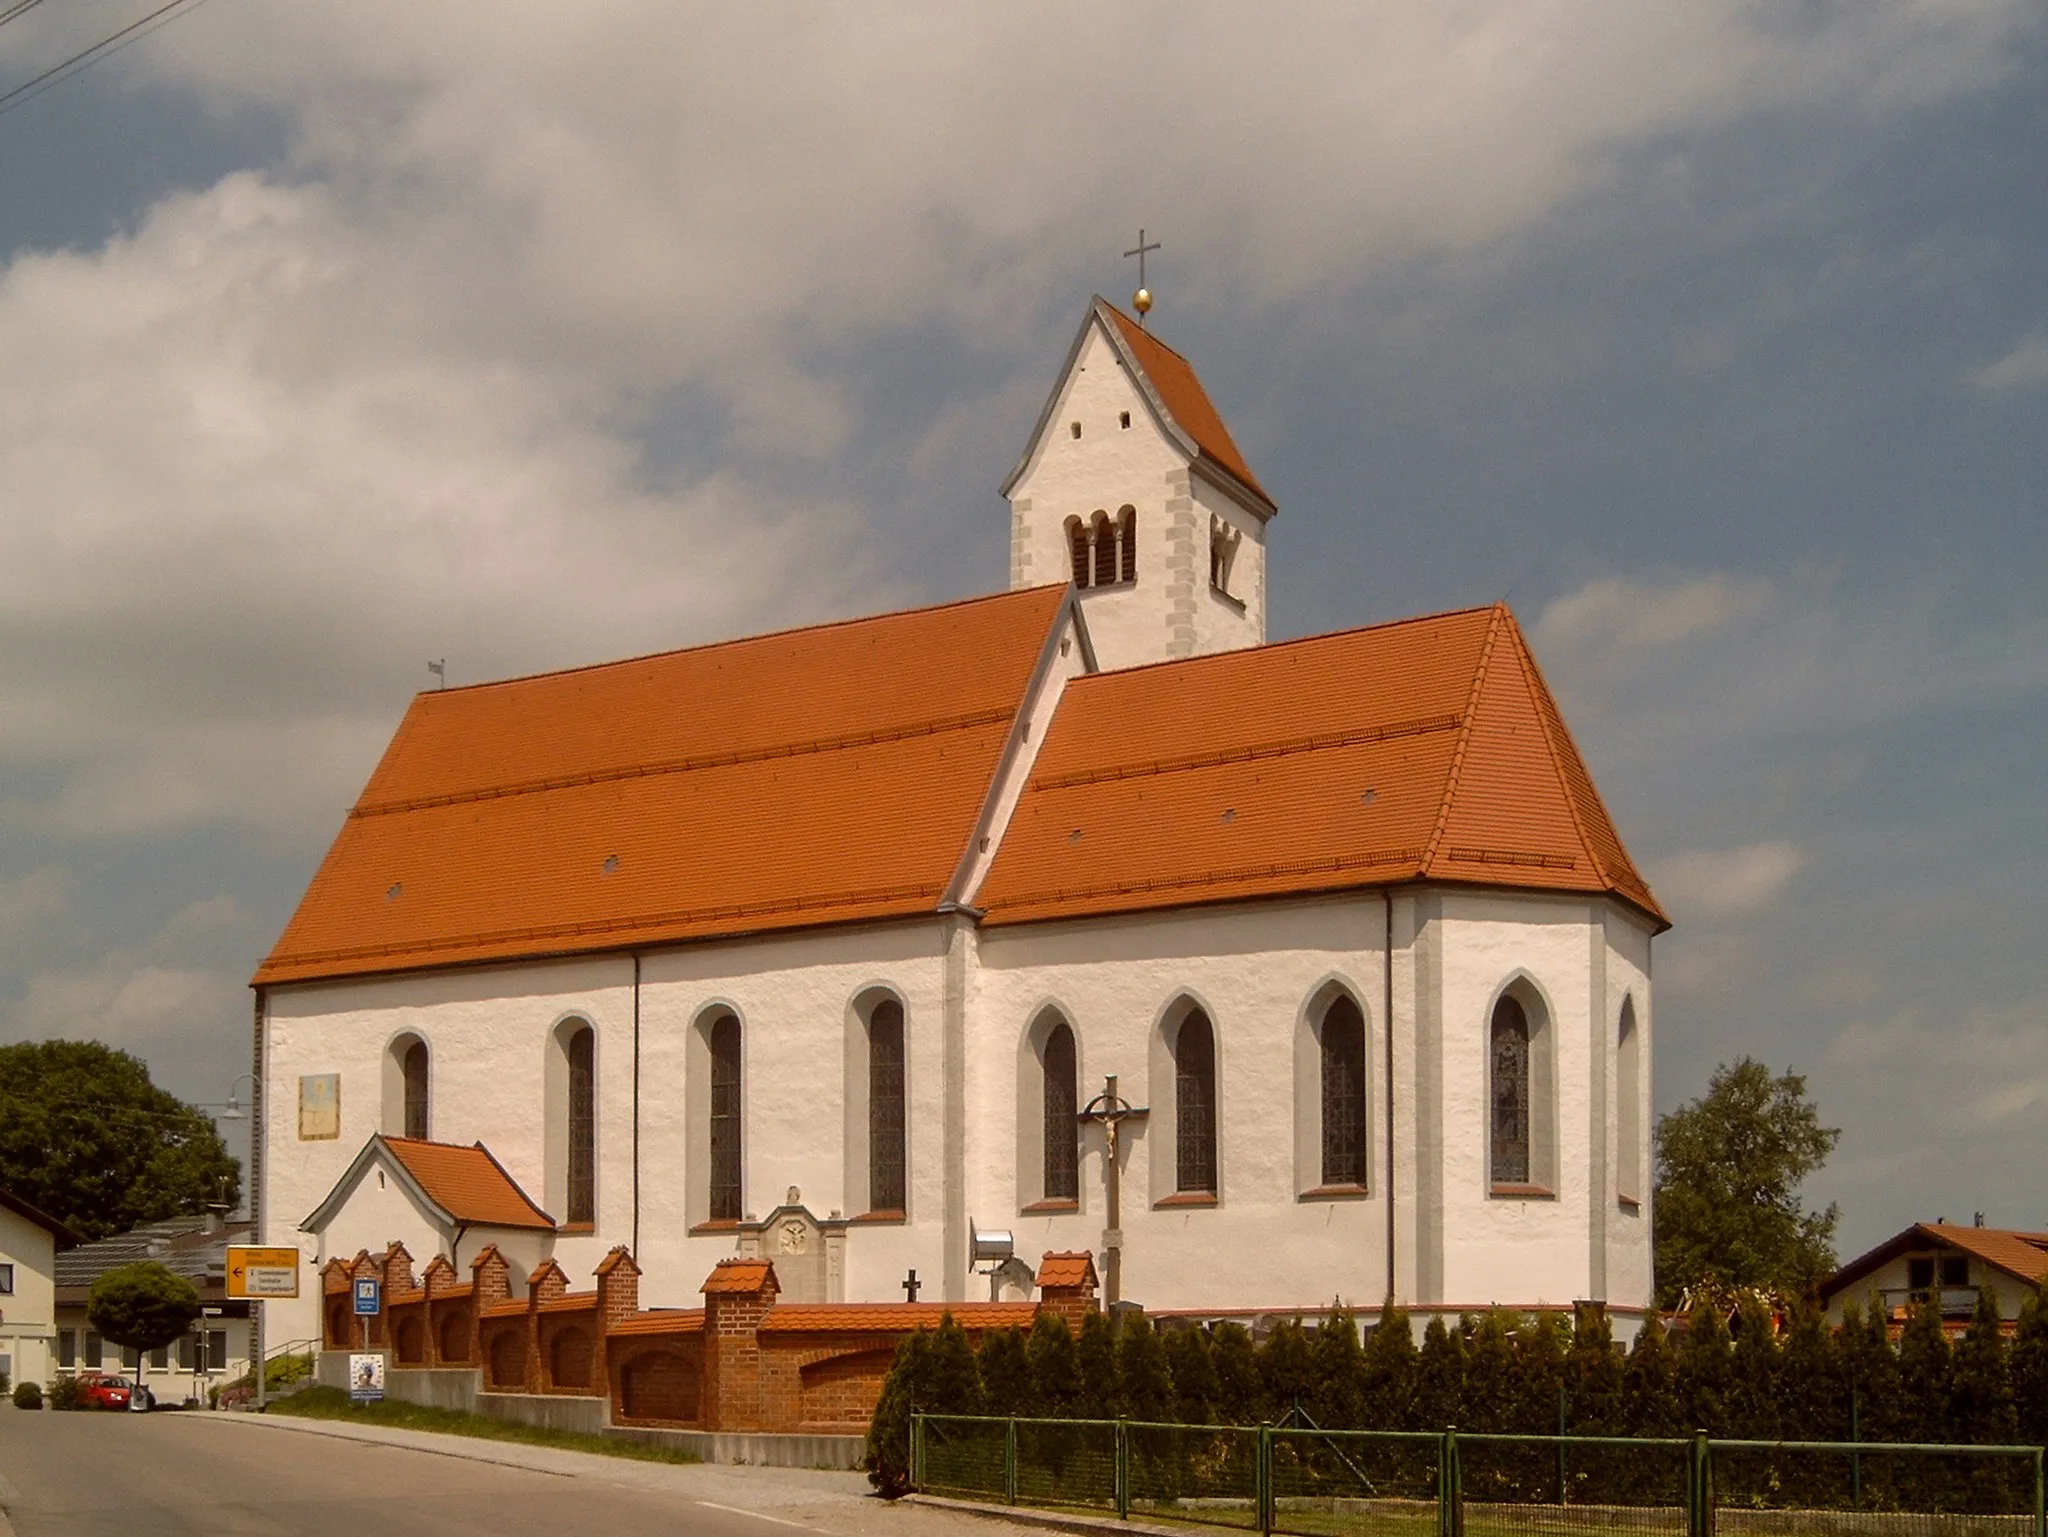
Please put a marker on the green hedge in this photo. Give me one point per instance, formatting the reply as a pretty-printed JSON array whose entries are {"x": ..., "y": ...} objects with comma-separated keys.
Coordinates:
[{"x": 1749, "y": 1378}]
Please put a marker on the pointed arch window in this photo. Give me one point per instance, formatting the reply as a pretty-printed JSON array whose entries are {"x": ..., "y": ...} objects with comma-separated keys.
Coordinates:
[
  {"x": 1194, "y": 1106},
  {"x": 1628, "y": 1089},
  {"x": 1127, "y": 542},
  {"x": 886, "y": 1182},
  {"x": 725, "y": 1119},
  {"x": 582, "y": 1128},
  {"x": 415, "y": 1068},
  {"x": 1509, "y": 1093},
  {"x": 1105, "y": 551},
  {"x": 1343, "y": 1064},
  {"x": 1062, "y": 1103}
]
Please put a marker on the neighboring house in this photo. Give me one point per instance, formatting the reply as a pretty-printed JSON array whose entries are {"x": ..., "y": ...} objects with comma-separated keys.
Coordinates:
[
  {"x": 29, "y": 1243},
  {"x": 1944, "y": 1261},
  {"x": 195, "y": 1247}
]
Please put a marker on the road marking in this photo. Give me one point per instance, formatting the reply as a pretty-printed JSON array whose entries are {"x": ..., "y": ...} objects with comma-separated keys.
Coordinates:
[{"x": 735, "y": 1510}]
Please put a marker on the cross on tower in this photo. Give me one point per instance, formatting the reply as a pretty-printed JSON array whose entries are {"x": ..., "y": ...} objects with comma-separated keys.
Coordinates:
[{"x": 1141, "y": 301}]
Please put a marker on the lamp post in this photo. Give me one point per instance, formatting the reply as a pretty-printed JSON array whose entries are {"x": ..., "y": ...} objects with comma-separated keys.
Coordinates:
[{"x": 259, "y": 1368}]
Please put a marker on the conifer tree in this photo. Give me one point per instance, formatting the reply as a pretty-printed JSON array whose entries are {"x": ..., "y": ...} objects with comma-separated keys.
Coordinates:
[
  {"x": 1593, "y": 1378},
  {"x": 1102, "y": 1395},
  {"x": 1981, "y": 1407},
  {"x": 1492, "y": 1380},
  {"x": 1005, "y": 1374},
  {"x": 2028, "y": 1364},
  {"x": 1539, "y": 1370},
  {"x": 1752, "y": 1407},
  {"x": 1871, "y": 1369},
  {"x": 1704, "y": 1368},
  {"x": 953, "y": 1384},
  {"x": 1336, "y": 1395},
  {"x": 1439, "y": 1378},
  {"x": 1142, "y": 1370},
  {"x": 1926, "y": 1374},
  {"x": 1240, "y": 1395},
  {"x": 1055, "y": 1369},
  {"x": 1286, "y": 1370},
  {"x": 888, "y": 1448},
  {"x": 1388, "y": 1372},
  {"x": 1649, "y": 1383},
  {"x": 1189, "y": 1358},
  {"x": 1813, "y": 1376}
]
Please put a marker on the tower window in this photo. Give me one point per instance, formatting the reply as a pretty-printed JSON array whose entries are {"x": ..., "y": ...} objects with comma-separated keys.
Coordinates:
[
  {"x": 1074, "y": 428},
  {"x": 1105, "y": 551},
  {"x": 1127, "y": 542},
  {"x": 1077, "y": 542},
  {"x": 1123, "y": 420},
  {"x": 1510, "y": 1094}
]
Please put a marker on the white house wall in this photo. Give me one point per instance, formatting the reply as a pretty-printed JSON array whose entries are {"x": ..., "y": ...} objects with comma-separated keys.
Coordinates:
[{"x": 28, "y": 1315}]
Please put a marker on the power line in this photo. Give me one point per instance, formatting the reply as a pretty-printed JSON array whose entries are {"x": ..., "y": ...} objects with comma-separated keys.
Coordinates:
[
  {"x": 20, "y": 7},
  {"x": 85, "y": 58}
]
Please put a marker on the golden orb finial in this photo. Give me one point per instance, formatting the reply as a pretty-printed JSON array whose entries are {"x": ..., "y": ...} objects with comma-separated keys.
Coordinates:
[{"x": 1141, "y": 301}]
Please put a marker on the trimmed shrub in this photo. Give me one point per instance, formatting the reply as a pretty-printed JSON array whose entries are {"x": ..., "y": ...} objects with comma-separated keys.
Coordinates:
[
  {"x": 1005, "y": 1366},
  {"x": 1387, "y": 1372},
  {"x": 63, "y": 1395},
  {"x": 1239, "y": 1397},
  {"x": 1102, "y": 1396},
  {"x": 1336, "y": 1393},
  {"x": 1055, "y": 1369},
  {"x": 1142, "y": 1370},
  {"x": 1190, "y": 1359},
  {"x": 28, "y": 1395}
]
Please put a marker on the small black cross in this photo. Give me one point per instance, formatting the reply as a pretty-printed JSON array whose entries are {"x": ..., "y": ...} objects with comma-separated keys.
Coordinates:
[
  {"x": 1139, "y": 251},
  {"x": 911, "y": 1286}
]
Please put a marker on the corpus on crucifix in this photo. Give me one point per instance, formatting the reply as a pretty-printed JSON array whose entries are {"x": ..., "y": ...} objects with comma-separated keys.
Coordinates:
[{"x": 1112, "y": 1110}]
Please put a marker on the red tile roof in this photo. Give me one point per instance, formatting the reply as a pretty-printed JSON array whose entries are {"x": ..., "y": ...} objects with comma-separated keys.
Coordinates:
[
  {"x": 756, "y": 784},
  {"x": 1070, "y": 1269},
  {"x": 738, "y": 1275},
  {"x": 574, "y": 1302},
  {"x": 2016, "y": 1252},
  {"x": 1427, "y": 749},
  {"x": 468, "y": 1183},
  {"x": 895, "y": 1317},
  {"x": 1180, "y": 391},
  {"x": 662, "y": 1321}
]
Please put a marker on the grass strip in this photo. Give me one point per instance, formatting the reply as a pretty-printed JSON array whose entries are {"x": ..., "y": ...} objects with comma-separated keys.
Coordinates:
[{"x": 334, "y": 1404}]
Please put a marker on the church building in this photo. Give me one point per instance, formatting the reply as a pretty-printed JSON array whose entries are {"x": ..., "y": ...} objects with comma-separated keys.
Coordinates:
[{"x": 826, "y": 947}]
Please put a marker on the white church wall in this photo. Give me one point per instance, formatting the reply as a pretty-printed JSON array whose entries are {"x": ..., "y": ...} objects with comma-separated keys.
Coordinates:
[
  {"x": 1253, "y": 968},
  {"x": 1627, "y": 1236},
  {"x": 378, "y": 1212},
  {"x": 1234, "y": 615}
]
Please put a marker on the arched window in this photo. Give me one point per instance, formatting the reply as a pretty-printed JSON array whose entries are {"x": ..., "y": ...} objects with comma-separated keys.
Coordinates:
[
  {"x": 1061, "y": 1099},
  {"x": 1509, "y": 1093},
  {"x": 1127, "y": 540},
  {"x": 725, "y": 1119},
  {"x": 1077, "y": 544},
  {"x": 414, "y": 1067},
  {"x": 1194, "y": 1105},
  {"x": 1105, "y": 550},
  {"x": 1343, "y": 1053},
  {"x": 885, "y": 1107},
  {"x": 1628, "y": 1090},
  {"x": 581, "y": 1203}
]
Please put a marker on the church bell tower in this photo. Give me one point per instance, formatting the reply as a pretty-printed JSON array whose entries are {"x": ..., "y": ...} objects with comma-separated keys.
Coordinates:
[{"x": 1133, "y": 490}]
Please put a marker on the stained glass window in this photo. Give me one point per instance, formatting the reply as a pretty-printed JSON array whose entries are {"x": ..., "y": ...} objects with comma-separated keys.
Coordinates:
[
  {"x": 1062, "y": 1131},
  {"x": 582, "y": 1127},
  {"x": 1343, "y": 1094},
  {"x": 725, "y": 1120},
  {"x": 885, "y": 1107},
  {"x": 1194, "y": 1105},
  {"x": 1510, "y": 1094},
  {"x": 415, "y": 1065}
]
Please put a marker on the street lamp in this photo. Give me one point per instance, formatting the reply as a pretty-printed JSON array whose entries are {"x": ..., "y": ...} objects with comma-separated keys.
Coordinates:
[{"x": 234, "y": 1110}]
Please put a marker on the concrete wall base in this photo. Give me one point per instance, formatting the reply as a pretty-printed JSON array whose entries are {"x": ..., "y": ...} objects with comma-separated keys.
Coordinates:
[
  {"x": 436, "y": 1387},
  {"x": 754, "y": 1449},
  {"x": 587, "y": 1416}
]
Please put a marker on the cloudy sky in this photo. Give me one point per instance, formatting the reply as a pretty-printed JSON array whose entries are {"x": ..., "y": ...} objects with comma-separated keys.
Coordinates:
[{"x": 339, "y": 336}]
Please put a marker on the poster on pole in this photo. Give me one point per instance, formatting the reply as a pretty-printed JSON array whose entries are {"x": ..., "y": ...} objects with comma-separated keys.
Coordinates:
[{"x": 366, "y": 1377}]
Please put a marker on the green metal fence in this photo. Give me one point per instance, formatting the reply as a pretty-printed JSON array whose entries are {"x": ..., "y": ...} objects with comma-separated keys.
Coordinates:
[{"x": 1364, "y": 1483}]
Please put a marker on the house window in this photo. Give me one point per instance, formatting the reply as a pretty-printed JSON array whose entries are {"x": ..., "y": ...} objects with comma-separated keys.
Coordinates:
[
  {"x": 1194, "y": 1106},
  {"x": 582, "y": 1163},
  {"x": 67, "y": 1348},
  {"x": 92, "y": 1353},
  {"x": 415, "y": 1069},
  {"x": 1510, "y": 1094},
  {"x": 160, "y": 1358},
  {"x": 216, "y": 1359},
  {"x": 1062, "y": 1133},
  {"x": 1343, "y": 1054},
  {"x": 725, "y": 1119},
  {"x": 1628, "y": 1117},
  {"x": 6, "y": 1280},
  {"x": 886, "y": 1180}
]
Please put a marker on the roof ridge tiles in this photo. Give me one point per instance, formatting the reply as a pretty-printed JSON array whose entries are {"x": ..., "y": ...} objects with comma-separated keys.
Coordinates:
[
  {"x": 822, "y": 625},
  {"x": 1278, "y": 747},
  {"x": 843, "y": 741},
  {"x": 1450, "y": 791},
  {"x": 1558, "y": 749},
  {"x": 1277, "y": 647},
  {"x": 1333, "y": 863}
]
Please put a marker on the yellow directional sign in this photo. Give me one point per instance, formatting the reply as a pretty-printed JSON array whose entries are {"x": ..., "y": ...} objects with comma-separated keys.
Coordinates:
[{"x": 255, "y": 1273}]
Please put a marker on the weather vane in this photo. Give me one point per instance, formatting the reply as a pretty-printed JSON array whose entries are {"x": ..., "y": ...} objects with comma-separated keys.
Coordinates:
[{"x": 1141, "y": 301}]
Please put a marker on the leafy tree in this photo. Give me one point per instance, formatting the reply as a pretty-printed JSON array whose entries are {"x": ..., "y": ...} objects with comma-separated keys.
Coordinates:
[
  {"x": 2028, "y": 1366},
  {"x": 1440, "y": 1376},
  {"x": 1388, "y": 1372},
  {"x": 1191, "y": 1361},
  {"x": 1005, "y": 1369},
  {"x": 1102, "y": 1396},
  {"x": 1142, "y": 1370},
  {"x": 144, "y": 1306},
  {"x": 1055, "y": 1368},
  {"x": 1240, "y": 1395},
  {"x": 1729, "y": 1168},
  {"x": 1336, "y": 1393},
  {"x": 88, "y": 1138}
]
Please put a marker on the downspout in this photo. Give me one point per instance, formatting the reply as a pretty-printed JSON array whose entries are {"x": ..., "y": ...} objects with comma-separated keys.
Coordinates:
[
  {"x": 257, "y": 1111},
  {"x": 1387, "y": 1024},
  {"x": 636, "y": 1104}
]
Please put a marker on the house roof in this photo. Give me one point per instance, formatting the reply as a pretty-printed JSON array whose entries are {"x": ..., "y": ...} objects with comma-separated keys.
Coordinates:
[
  {"x": 894, "y": 1317},
  {"x": 2017, "y": 1253},
  {"x": 1179, "y": 391},
  {"x": 461, "y": 1186},
  {"x": 751, "y": 785},
  {"x": 1425, "y": 749},
  {"x": 63, "y": 1235},
  {"x": 186, "y": 1245}
]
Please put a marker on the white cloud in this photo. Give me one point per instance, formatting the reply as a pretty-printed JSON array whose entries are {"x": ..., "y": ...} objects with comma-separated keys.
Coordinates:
[
  {"x": 26, "y": 900},
  {"x": 1722, "y": 882},
  {"x": 1634, "y": 616},
  {"x": 2023, "y": 368}
]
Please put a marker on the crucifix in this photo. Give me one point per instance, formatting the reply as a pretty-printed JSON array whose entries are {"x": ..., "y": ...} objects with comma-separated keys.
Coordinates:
[
  {"x": 1141, "y": 301},
  {"x": 911, "y": 1287},
  {"x": 1112, "y": 1110}
]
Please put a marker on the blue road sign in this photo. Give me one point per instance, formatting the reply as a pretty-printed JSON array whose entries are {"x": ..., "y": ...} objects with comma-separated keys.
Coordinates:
[{"x": 367, "y": 1299}]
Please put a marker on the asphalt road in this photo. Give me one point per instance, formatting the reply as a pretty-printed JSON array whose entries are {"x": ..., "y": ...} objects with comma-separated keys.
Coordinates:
[{"x": 123, "y": 1475}]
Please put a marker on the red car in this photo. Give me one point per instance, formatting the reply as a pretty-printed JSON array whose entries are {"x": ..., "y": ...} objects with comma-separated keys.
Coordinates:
[{"x": 100, "y": 1392}]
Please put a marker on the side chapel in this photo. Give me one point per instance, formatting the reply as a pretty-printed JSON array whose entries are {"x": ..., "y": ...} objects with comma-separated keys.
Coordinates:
[{"x": 816, "y": 946}]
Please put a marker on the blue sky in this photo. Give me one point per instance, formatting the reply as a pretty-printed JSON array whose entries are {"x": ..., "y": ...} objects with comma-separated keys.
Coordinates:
[{"x": 1714, "y": 337}]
